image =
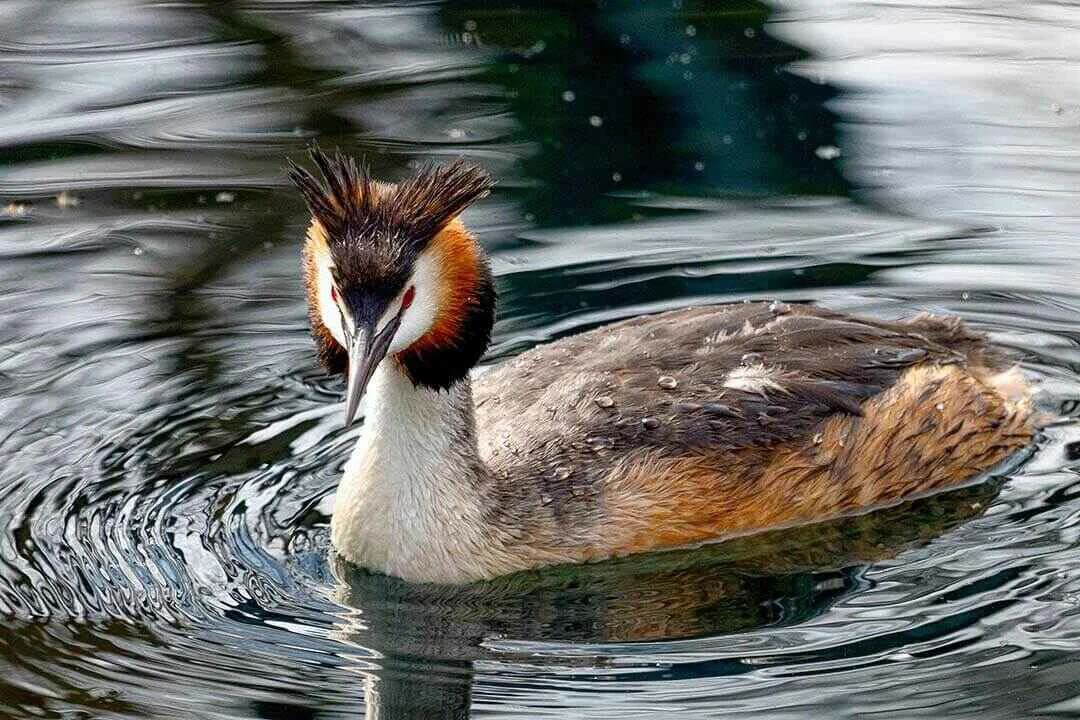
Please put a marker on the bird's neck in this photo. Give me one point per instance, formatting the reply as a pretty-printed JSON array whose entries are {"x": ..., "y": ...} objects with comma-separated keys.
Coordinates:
[{"x": 410, "y": 502}]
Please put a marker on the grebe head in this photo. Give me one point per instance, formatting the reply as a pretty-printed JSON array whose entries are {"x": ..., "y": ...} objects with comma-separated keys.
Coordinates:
[{"x": 392, "y": 272}]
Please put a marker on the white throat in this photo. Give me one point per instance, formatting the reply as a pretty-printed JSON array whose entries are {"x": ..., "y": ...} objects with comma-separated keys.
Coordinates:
[{"x": 408, "y": 503}]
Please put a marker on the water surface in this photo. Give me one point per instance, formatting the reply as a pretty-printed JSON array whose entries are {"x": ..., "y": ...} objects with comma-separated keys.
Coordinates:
[{"x": 169, "y": 449}]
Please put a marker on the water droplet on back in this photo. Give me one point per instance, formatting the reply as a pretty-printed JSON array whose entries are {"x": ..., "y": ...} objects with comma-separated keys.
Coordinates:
[
  {"x": 600, "y": 443},
  {"x": 778, "y": 308},
  {"x": 719, "y": 409}
]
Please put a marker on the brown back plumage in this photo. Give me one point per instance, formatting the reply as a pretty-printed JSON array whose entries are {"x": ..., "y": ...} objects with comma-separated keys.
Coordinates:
[{"x": 676, "y": 428}]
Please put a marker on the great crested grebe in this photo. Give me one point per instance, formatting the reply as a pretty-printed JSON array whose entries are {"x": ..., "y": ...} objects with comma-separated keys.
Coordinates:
[{"x": 656, "y": 432}]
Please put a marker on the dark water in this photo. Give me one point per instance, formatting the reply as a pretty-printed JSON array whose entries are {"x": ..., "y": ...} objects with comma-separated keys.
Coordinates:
[{"x": 168, "y": 448}]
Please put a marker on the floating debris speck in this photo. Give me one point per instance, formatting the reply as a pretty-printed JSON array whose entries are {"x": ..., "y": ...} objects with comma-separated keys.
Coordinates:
[
  {"x": 67, "y": 200},
  {"x": 537, "y": 47},
  {"x": 16, "y": 210},
  {"x": 827, "y": 152}
]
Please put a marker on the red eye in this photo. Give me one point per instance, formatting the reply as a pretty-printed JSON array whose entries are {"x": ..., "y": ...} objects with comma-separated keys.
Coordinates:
[
  {"x": 410, "y": 295},
  {"x": 333, "y": 293}
]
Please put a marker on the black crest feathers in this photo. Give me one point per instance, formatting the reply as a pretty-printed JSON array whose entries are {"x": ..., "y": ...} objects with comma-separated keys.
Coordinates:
[{"x": 348, "y": 199}]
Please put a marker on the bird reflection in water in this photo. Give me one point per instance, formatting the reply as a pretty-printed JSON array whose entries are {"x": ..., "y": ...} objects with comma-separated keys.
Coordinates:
[{"x": 426, "y": 639}]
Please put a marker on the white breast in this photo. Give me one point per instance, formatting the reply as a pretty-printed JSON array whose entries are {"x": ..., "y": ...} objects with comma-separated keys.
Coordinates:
[{"x": 407, "y": 503}]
